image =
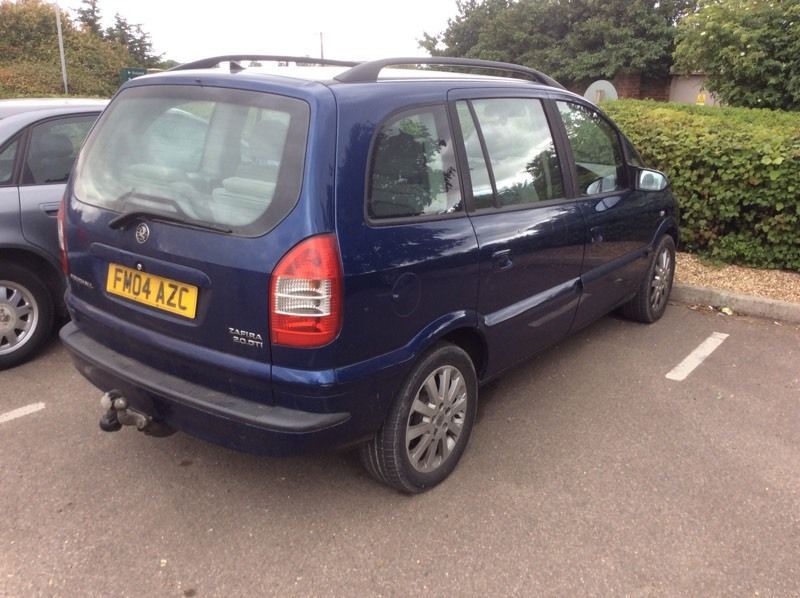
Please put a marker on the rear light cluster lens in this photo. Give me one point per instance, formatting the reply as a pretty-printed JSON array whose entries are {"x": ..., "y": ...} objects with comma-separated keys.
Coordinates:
[
  {"x": 306, "y": 295},
  {"x": 62, "y": 237},
  {"x": 303, "y": 297}
]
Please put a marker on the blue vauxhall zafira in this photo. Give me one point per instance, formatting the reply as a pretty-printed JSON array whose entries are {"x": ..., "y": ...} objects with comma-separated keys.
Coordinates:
[{"x": 313, "y": 256}]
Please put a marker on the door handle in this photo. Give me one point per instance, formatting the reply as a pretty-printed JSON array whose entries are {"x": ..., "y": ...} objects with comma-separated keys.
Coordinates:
[
  {"x": 50, "y": 209},
  {"x": 502, "y": 259}
]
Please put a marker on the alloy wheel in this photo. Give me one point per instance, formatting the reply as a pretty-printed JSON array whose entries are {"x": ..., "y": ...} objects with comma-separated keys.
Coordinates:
[
  {"x": 662, "y": 279},
  {"x": 19, "y": 316},
  {"x": 436, "y": 419}
]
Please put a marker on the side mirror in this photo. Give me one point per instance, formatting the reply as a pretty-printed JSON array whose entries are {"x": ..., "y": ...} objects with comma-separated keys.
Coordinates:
[{"x": 651, "y": 180}]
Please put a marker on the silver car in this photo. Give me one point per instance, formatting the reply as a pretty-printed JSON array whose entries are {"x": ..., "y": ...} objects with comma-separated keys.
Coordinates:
[{"x": 39, "y": 140}]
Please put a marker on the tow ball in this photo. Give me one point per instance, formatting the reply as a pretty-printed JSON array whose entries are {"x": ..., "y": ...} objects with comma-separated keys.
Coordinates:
[{"x": 118, "y": 414}]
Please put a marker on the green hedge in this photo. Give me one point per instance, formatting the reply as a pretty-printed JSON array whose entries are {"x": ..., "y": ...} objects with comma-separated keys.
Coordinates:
[{"x": 735, "y": 172}]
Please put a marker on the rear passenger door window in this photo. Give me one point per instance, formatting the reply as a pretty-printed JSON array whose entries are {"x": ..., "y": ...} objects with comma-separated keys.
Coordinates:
[
  {"x": 53, "y": 148},
  {"x": 510, "y": 152},
  {"x": 413, "y": 170},
  {"x": 595, "y": 147},
  {"x": 482, "y": 186}
]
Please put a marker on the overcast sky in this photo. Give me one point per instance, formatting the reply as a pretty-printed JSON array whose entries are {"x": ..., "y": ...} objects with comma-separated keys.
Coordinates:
[{"x": 351, "y": 29}]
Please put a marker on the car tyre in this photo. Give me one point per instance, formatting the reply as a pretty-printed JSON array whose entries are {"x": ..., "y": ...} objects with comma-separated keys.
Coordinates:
[
  {"x": 428, "y": 425},
  {"x": 26, "y": 314},
  {"x": 650, "y": 301}
]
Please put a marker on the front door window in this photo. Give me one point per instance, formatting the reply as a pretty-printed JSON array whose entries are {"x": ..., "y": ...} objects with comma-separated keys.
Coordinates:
[{"x": 595, "y": 146}]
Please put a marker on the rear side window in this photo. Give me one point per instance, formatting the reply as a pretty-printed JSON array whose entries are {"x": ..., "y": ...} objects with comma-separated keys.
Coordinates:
[
  {"x": 7, "y": 159},
  {"x": 596, "y": 148},
  {"x": 227, "y": 158},
  {"x": 53, "y": 148},
  {"x": 513, "y": 136},
  {"x": 413, "y": 167}
]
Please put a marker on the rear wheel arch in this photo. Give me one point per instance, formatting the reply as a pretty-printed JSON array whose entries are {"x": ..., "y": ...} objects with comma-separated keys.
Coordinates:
[
  {"x": 473, "y": 343},
  {"x": 40, "y": 267}
]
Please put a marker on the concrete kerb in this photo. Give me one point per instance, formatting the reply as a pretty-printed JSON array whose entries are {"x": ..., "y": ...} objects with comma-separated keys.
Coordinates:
[{"x": 741, "y": 304}]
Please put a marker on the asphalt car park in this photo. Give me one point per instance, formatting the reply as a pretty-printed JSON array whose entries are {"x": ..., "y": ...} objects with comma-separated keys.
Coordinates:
[{"x": 590, "y": 472}]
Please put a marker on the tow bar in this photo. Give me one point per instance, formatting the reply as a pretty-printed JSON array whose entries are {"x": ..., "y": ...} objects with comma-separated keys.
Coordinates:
[{"x": 118, "y": 414}]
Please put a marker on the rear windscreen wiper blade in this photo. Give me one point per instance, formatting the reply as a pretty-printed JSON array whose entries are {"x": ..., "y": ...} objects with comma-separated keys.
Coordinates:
[
  {"x": 124, "y": 219},
  {"x": 179, "y": 217}
]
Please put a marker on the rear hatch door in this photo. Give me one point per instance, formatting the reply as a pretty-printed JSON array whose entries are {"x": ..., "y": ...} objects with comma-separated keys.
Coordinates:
[{"x": 183, "y": 202}]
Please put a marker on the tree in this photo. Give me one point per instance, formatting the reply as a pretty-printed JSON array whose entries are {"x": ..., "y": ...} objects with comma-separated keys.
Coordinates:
[
  {"x": 141, "y": 48},
  {"x": 464, "y": 30},
  {"x": 29, "y": 55},
  {"x": 749, "y": 49},
  {"x": 27, "y": 28},
  {"x": 135, "y": 40},
  {"x": 120, "y": 31},
  {"x": 89, "y": 17},
  {"x": 572, "y": 40}
]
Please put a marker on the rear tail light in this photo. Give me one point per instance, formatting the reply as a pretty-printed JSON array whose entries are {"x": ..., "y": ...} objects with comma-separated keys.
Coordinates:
[
  {"x": 62, "y": 237},
  {"x": 306, "y": 294}
]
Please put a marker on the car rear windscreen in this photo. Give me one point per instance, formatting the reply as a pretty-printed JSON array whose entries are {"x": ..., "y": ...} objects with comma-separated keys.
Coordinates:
[{"x": 227, "y": 158}]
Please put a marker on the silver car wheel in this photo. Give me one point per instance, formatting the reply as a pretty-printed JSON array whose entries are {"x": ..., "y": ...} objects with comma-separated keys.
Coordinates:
[
  {"x": 436, "y": 419},
  {"x": 19, "y": 316},
  {"x": 662, "y": 280}
]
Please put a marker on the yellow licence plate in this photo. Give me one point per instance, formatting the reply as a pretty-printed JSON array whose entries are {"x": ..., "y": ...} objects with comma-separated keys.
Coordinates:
[{"x": 162, "y": 293}]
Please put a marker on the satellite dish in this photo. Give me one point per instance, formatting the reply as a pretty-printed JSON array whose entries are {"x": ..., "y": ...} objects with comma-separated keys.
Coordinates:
[{"x": 600, "y": 90}]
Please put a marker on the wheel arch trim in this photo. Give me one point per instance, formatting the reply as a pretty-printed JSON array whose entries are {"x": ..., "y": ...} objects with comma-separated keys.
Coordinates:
[{"x": 453, "y": 327}]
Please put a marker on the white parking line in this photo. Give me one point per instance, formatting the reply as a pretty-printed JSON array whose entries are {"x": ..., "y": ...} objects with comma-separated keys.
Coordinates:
[
  {"x": 696, "y": 357},
  {"x": 21, "y": 412}
]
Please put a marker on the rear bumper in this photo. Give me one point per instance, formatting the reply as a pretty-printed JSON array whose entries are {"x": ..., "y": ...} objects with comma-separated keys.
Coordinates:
[{"x": 206, "y": 413}]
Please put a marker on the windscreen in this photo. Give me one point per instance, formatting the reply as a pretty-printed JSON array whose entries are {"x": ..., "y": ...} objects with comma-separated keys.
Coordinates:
[{"x": 226, "y": 158}]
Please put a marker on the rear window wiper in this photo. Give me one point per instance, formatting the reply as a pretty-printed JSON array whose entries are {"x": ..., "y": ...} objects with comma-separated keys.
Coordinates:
[
  {"x": 180, "y": 217},
  {"x": 124, "y": 219}
]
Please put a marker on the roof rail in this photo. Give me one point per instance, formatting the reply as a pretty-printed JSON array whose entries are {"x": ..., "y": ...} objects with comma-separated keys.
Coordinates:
[
  {"x": 207, "y": 63},
  {"x": 367, "y": 72}
]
